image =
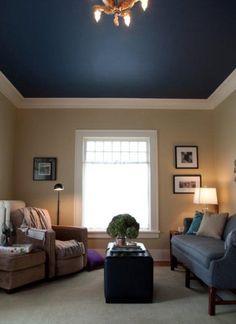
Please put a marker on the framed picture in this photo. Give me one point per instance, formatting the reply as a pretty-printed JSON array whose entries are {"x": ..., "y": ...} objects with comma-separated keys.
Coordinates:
[
  {"x": 44, "y": 168},
  {"x": 186, "y": 157},
  {"x": 186, "y": 184}
]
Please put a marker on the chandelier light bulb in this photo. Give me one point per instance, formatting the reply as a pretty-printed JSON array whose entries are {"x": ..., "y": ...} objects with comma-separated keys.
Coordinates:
[
  {"x": 97, "y": 15},
  {"x": 127, "y": 19},
  {"x": 144, "y": 4}
]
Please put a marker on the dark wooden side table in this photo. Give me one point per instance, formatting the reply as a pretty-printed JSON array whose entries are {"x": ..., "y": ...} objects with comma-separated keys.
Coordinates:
[{"x": 173, "y": 260}]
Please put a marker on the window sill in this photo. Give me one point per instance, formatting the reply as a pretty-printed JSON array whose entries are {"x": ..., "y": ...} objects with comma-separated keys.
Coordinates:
[{"x": 142, "y": 235}]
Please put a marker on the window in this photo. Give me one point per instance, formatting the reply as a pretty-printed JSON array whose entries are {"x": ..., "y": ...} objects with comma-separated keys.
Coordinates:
[{"x": 115, "y": 174}]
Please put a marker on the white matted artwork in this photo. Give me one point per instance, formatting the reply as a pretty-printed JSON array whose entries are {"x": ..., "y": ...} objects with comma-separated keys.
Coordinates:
[
  {"x": 186, "y": 157},
  {"x": 186, "y": 184},
  {"x": 44, "y": 168}
]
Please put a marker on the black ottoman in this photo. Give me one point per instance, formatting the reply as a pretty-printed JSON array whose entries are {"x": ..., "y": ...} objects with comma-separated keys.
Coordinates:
[{"x": 128, "y": 277}]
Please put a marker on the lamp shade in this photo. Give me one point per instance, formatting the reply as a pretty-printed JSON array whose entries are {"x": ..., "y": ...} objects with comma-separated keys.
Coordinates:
[
  {"x": 206, "y": 196},
  {"x": 58, "y": 187}
]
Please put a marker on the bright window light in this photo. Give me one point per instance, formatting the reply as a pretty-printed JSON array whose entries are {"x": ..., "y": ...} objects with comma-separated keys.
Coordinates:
[{"x": 116, "y": 178}]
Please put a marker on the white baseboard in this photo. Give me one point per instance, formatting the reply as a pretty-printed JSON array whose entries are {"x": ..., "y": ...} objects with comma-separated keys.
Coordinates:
[{"x": 157, "y": 254}]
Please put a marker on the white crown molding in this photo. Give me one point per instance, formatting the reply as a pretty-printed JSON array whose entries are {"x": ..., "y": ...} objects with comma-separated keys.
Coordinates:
[
  {"x": 113, "y": 103},
  {"x": 220, "y": 94},
  {"x": 9, "y": 91},
  {"x": 227, "y": 87}
]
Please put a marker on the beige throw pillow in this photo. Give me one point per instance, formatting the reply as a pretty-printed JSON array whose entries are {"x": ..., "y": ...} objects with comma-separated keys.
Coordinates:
[{"x": 212, "y": 225}]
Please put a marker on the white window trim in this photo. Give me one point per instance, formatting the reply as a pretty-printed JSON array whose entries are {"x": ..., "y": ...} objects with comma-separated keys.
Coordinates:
[{"x": 80, "y": 134}]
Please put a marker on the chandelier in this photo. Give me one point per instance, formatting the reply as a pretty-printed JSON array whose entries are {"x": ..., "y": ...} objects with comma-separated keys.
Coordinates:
[{"x": 118, "y": 8}]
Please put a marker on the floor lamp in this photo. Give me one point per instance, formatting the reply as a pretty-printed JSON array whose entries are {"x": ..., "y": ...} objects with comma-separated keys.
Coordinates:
[{"x": 58, "y": 187}]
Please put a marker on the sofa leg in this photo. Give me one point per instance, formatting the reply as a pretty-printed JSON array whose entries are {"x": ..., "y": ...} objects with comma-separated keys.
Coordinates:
[
  {"x": 211, "y": 300},
  {"x": 187, "y": 278}
]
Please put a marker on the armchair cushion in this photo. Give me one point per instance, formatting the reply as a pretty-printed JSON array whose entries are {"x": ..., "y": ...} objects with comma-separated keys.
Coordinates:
[{"x": 69, "y": 249}]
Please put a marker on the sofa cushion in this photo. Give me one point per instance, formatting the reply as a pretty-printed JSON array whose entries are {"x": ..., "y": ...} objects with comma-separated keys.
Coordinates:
[
  {"x": 212, "y": 225},
  {"x": 195, "y": 223},
  {"x": 202, "y": 249},
  {"x": 69, "y": 249}
]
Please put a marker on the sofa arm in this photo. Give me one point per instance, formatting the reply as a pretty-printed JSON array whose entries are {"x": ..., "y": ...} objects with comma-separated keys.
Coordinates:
[
  {"x": 47, "y": 244},
  {"x": 65, "y": 233},
  {"x": 223, "y": 270},
  {"x": 187, "y": 223}
]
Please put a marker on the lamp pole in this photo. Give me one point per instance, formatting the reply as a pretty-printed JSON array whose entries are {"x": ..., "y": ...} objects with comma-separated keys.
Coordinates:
[
  {"x": 58, "y": 207},
  {"x": 58, "y": 187}
]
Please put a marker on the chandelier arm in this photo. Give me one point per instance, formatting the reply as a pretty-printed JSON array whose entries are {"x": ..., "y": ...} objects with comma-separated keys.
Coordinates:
[
  {"x": 106, "y": 10},
  {"x": 125, "y": 13},
  {"x": 109, "y": 3},
  {"x": 127, "y": 4}
]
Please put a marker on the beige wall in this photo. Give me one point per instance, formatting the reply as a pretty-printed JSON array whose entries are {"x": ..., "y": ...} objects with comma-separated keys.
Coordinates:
[
  {"x": 7, "y": 137},
  {"x": 225, "y": 152},
  {"x": 52, "y": 133}
]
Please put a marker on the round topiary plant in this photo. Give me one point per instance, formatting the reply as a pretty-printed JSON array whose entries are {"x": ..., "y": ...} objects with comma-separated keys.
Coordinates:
[{"x": 122, "y": 226}]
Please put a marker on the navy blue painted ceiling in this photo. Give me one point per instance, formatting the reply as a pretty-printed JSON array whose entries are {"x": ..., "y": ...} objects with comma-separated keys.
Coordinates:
[{"x": 176, "y": 49}]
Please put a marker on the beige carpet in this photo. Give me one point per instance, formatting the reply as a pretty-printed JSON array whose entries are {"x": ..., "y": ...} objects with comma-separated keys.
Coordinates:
[{"x": 80, "y": 299}]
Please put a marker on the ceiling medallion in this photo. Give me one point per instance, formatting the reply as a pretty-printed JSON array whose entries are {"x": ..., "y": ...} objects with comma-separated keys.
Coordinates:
[{"x": 118, "y": 8}]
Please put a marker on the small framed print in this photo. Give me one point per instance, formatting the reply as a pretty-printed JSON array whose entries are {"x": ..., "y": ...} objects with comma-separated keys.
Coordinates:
[
  {"x": 44, "y": 168},
  {"x": 186, "y": 184},
  {"x": 186, "y": 157}
]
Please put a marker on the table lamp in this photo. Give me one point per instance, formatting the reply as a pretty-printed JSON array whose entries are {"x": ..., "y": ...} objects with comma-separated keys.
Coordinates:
[
  {"x": 58, "y": 187},
  {"x": 206, "y": 196}
]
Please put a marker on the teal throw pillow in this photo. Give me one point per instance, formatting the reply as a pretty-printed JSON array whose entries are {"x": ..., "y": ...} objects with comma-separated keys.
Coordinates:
[{"x": 195, "y": 223}]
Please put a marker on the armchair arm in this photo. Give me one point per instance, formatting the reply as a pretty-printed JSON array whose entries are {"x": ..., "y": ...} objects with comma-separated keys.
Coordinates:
[
  {"x": 48, "y": 245},
  {"x": 65, "y": 233}
]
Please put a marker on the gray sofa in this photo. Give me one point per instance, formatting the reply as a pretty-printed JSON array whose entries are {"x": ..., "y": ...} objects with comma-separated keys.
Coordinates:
[{"x": 211, "y": 260}]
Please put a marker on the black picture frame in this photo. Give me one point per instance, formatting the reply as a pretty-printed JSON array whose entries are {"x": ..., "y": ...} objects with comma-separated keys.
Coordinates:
[
  {"x": 186, "y": 157},
  {"x": 186, "y": 184},
  {"x": 44, "y": 168}
]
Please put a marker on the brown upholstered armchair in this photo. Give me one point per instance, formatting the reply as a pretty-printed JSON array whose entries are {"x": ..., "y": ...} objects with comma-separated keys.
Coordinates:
[{"x": 65, "y": 246}]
